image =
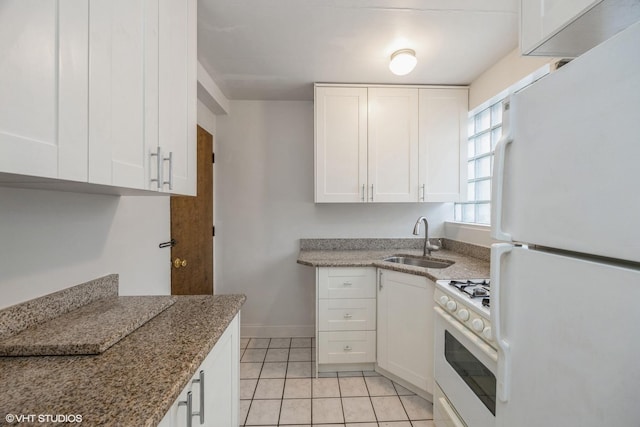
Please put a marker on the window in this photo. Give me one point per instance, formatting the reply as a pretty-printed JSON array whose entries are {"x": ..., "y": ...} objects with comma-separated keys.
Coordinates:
[{"x": 485, "y": 129}]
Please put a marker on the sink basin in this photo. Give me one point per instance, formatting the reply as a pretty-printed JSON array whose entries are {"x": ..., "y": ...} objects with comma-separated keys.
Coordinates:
[{"x": 419, "y": 261}]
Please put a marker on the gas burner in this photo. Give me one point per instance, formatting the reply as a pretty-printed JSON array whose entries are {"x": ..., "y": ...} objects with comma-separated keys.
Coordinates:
[
  {"x": 472, "y": 288},
  {"x": 463, "y": 284},
  {"x": 486, "y": 302}
]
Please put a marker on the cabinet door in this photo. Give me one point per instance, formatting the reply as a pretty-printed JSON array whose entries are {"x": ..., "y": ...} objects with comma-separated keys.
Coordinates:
[
  {"x": 43, "y": 89},
  {"x": 121, "y": 32},
  {"x": 216, "y": 382},
  {"x": 541, "y": 19},
  {"x": 177, "y": 83},
  {"x": 340, "y": 144},
  {"x": 405, "y": 327},
  {"x": 443, "y": 141},
  {"x": 393, "y": 145},
  {"x": 222, "y": 380}
]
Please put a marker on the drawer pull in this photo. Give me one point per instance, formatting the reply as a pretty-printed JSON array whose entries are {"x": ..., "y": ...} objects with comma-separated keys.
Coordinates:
[
  {"x": 347, "y": 348},
  {"x": 348, "y": 316},
  {"x": 347, "y": 284}
]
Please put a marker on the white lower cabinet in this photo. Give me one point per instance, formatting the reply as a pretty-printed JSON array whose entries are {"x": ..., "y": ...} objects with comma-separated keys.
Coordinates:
[
  {"x": 405, "y": 327},
  {"x": 346, "y": 319},
  {"x": 212, "y": 396},
  {"x": 347, "y": 347}
]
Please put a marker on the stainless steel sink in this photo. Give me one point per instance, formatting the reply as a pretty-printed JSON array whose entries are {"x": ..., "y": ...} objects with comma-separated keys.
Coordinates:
[{"x": 419, "y": 261}]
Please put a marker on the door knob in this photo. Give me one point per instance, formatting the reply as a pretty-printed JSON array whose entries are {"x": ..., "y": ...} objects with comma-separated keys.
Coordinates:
[{"x": 177, "y": 263}]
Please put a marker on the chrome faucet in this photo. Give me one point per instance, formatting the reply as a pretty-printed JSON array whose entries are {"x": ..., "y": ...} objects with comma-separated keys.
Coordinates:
[{"x": 428, "y": 247}]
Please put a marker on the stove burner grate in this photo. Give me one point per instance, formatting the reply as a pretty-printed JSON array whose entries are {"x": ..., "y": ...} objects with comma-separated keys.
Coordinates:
[{"x": 478, "y": 288}]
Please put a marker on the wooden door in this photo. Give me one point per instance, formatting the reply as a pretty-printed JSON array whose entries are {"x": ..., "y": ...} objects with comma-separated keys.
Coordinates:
[{"x": 192, "y": 229}]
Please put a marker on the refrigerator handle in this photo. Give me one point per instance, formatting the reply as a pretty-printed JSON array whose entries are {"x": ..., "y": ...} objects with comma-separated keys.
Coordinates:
[
  {"x": 498, "y": 250},
  {"x": 497, "y": 182}
]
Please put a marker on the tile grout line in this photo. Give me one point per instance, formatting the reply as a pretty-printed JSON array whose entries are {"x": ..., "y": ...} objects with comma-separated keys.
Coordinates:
[
  {"x": 284, "y": 385},
  {"x": 375, "y": 415}
]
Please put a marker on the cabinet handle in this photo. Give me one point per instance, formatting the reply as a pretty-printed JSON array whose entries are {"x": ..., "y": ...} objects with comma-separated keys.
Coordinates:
[
  {"x": 158, "y": 167},
  {"x": 347, "y": 284},
  {"x": 363, "y": 192},
  {"x": 422, "y": 197},
  {"x": 347, "y": 348},
  {"x": 189, "y": 404},
  {"x": 372, "y": 192},
  {"x": 200, "y": 380},
  {"x": 379, "y": 280},
  {"x": 348, "y": 316},
  {"x": 170, "y": 160}
]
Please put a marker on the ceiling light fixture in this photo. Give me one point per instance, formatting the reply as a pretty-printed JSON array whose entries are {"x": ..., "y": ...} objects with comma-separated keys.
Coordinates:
[{"x": 403, "y": 61}]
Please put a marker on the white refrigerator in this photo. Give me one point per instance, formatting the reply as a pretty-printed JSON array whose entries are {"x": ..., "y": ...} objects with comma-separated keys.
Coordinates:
[{"x": 566, "y": 280}]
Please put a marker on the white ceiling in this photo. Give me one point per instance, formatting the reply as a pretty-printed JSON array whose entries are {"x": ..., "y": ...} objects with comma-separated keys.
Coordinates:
[{"x": 277, "y": 49}]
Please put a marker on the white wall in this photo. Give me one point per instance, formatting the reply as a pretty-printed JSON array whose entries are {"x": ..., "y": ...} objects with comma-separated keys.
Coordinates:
[
  {"x": 264, "y": 205},
  {"x": 206, "y": 119},
  {"x": 509, "y": 70},
  {"x": 52, "y": 240}
]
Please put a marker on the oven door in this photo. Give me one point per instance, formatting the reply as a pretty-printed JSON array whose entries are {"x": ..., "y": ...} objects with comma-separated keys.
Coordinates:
[{"x": 465, "y": 370}]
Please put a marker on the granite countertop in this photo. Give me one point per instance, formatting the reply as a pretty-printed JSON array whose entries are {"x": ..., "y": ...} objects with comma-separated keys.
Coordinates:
[
  {"x": 90, "y": 329},
  {"x": 465, "y": 266},
  {"x": 134, "y": 382}
]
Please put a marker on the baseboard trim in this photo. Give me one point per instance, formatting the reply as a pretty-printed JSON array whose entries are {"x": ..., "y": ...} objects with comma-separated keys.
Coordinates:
[{"x": 278, "y": 331}]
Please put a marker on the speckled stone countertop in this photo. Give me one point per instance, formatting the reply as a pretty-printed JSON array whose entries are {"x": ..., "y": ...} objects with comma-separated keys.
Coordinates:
[
  {"x": 465, "y": 266},
  {"x": 90, "y": 329},
  {"x": 133, "y": 383}
]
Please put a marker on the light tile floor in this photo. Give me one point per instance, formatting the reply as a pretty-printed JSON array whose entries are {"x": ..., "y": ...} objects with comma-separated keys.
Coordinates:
[{"x": 278, "y": 388}]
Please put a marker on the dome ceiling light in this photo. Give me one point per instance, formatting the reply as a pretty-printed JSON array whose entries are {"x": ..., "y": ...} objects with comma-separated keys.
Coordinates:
[{"x": 403, "y": 61}]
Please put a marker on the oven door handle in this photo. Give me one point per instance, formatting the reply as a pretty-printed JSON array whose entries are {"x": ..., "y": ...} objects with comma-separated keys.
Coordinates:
[{"x": 479, "y": 343}]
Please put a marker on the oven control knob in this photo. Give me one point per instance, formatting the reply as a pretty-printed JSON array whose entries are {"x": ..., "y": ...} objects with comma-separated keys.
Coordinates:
[
  {"x": 463, "y": 314},
  {"x": 487, "y": 333},
  {"x": 477, "y": 325},
  {"x": 451, "y": 305},
  {"x": 443, "y": 300}
]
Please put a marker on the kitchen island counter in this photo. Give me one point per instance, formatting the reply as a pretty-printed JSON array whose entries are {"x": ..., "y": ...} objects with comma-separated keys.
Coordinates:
[{"x": 133, "y": 383}]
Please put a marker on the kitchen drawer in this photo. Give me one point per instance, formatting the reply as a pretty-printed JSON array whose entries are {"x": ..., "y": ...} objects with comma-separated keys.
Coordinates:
[
  {"x": 347, "y": 314},
  {"x": 344, "y": 282},
  {"x": 347, "y": 347}
]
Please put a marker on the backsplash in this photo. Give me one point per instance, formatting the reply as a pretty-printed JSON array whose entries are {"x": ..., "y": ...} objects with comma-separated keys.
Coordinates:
[
  {"x": 19, "y": 317},
  {"x": 469, "y": 249}
]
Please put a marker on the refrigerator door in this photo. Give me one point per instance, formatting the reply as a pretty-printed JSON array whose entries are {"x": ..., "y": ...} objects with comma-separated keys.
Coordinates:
[
  {"x": 569, "y": 342},
  {"x": 569, "y": 177}
]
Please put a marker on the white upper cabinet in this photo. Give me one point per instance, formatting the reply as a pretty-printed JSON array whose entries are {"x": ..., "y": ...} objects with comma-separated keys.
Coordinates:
[
  {"x": 341, "y": 144},
  {"x": 389, "y": 144},
  {"x": 43, "y": 88},
  {"x": 117, "y": 73},
  {"x": 104, "y": 94},
  {"x": 443, "y": 140},
  {"x": 564, "y": 28},
  {"x": 393, "y": 145},
  {"x": 177, "y": 101}
]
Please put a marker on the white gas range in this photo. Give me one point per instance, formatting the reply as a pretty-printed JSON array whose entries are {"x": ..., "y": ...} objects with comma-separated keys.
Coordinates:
[{"x": 465, "y": 355}]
